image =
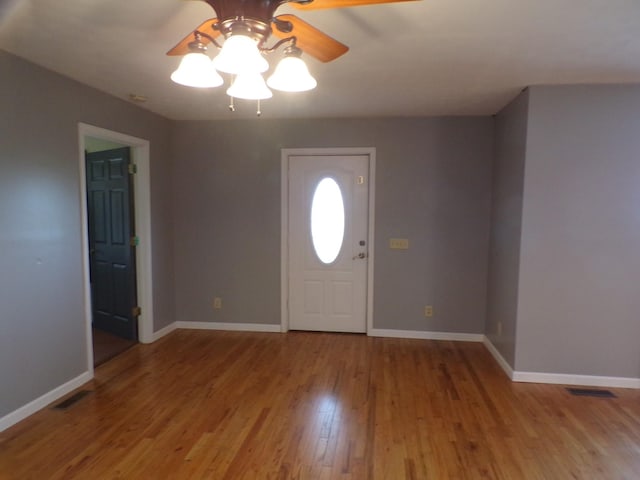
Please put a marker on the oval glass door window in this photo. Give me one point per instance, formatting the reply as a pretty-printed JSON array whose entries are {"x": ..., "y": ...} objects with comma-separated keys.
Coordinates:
[{"x": 327, "y": 220}]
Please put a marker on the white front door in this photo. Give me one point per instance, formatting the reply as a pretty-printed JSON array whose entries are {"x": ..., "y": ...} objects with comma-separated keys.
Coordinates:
[{"x": 327, "y": 242}]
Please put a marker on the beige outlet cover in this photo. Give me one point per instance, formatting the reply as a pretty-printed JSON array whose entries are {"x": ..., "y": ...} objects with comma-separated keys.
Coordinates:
[{"x": 399, "y": 243}]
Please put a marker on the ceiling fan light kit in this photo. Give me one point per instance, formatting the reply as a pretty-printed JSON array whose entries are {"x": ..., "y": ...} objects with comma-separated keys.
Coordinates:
[
  {"x": 292, "y": 74},
  {"x": 196, "y": 70},
  {"x": 249, "y": 86},
  {"x": 246, "y": 25},
  {"x": 240, "y": 54}
]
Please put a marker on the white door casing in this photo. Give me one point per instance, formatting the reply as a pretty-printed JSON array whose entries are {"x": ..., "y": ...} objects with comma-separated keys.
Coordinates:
[
  {"x": 142, "y": 191},
  {"x": 327, "y": 295}
]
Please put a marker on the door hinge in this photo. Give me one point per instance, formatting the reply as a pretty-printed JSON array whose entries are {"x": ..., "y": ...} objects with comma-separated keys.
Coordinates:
[
  {"x": 136, "y": 311},
  {"x": 134, "y": 241},
  {"x": 133, "y": 169}
]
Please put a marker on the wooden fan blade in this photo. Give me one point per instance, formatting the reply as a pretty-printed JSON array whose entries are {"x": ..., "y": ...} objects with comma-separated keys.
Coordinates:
[
  {"x": 182, "y": 48},
  {"x": 319, "y": 4},
  {"x": 311, "y": 40}
]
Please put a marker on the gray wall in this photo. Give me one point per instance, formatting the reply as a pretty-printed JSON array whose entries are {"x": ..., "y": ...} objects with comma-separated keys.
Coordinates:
[
  {"x": 506, "y": 224},
  {"x": 580, "y": 254},
  {"x": 42, "y": 323},
  {"x": 433, "y": 187}
]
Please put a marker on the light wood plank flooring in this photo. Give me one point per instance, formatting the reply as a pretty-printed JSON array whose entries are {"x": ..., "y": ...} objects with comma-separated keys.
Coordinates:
[
  {"x": 106, "y": 345},
  {"x": 232, "y": 405}
]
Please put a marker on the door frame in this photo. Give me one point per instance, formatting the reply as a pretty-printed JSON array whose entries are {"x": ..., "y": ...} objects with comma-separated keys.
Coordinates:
[
  {"x": 370, "y": 152},
  {"x": 142, "y": 208}
]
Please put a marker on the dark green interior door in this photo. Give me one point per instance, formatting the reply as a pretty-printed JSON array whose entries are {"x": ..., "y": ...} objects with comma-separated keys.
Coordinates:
[{"x": 111, "y": 229}]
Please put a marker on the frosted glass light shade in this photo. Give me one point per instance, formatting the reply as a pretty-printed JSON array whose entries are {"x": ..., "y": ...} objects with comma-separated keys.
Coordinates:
[
  {"x": 196, "y": 70},
  {"x": 249, "y": 86},
  {"x": 239, "y": 55},
  {"x": 292, "y": 75}
]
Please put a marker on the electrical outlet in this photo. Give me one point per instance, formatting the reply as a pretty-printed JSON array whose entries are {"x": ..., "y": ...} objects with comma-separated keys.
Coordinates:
[
  {"x": 217, "y": 303},
  {"x": 428, "y": 311},
  {"x": 399, "y": 243}
]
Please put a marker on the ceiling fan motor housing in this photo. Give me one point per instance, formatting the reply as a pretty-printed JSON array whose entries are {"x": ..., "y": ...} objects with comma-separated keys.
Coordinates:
[
  {"x": 242, "y": 25},
  {"x": 247, "y": 17}
]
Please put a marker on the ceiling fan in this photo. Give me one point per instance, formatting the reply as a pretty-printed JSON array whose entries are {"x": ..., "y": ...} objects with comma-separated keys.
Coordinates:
[{"x": 246, "y": 25}]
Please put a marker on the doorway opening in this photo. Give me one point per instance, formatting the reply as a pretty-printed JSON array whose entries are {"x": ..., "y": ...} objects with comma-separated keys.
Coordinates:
[
  {"x": 327, "y": 247},
  {"x": 94, "y": 139},
  {"x": 112, "y": 247}
]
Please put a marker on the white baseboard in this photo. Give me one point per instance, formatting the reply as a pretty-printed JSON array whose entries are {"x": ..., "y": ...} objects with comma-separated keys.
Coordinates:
[
  {"x": 163, "y": 331},
  {"x": 41, "y": 402},
  {"x": 421, "y": 335},
  {"x": 560, "y": 378},
  {"x": 581, "y": 380},
  {"x": 498, "y": 357},
  {"x": 239, "y": 327}
]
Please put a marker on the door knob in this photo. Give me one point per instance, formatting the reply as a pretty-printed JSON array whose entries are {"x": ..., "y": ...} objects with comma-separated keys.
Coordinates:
[{"x": 360, "y": 255}]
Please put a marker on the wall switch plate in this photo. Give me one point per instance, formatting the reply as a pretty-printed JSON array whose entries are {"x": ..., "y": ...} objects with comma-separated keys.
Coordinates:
[
  {"x": 217, "y": 303},
  {"x": 399, "y": 243},
  {"x": 428, "y": 311}
]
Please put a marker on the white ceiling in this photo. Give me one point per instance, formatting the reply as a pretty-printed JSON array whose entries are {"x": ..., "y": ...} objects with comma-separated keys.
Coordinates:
[{"x": 429, "y": 57}]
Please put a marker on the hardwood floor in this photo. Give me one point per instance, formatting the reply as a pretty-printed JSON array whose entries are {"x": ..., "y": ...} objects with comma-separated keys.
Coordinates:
[
  {"x": 232, "y": 405},
  {"x": 106, "y": 346}
]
